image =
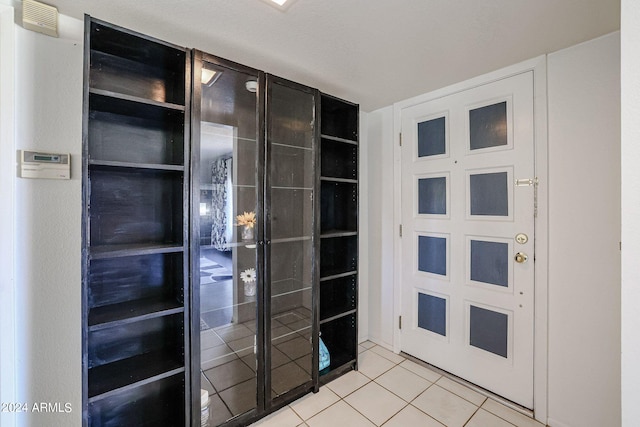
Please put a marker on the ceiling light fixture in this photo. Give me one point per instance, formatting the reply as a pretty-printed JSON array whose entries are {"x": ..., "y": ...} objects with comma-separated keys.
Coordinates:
[
  {"x": 209, "y": 77},
  {"x": 280, "y": 4},
  {"x": 251, "y": 85}
]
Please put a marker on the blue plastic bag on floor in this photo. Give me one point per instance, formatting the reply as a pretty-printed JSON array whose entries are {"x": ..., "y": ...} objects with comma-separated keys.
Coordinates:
[{"x": 325, "y": 358}]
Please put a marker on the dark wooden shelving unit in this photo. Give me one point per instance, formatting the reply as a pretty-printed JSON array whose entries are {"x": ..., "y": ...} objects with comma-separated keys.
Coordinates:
[
  {"x": 339, "y": 234},
  {"x": 295, "y": 166},
  {"x": 135, "y": 230}
]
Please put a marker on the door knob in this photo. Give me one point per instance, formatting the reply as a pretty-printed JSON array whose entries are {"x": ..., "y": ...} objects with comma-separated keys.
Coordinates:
[{"x": 521, "y": 257}]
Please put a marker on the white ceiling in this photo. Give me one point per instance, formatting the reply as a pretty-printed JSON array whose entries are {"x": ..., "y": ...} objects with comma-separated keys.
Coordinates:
[{"x": 372, "y": 52}]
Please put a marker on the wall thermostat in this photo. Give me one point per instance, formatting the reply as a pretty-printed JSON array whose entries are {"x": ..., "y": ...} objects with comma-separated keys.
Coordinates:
[{"x": 34, "y": 164}]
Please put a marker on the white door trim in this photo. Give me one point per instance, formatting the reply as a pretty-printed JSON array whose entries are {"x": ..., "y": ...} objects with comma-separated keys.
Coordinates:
[{"x": 539, "y": 67}]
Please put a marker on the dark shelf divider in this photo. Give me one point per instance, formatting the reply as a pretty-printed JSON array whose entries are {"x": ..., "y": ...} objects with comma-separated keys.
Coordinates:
[
  {"x": 337, "y": 316},
  {"x": 103, "y": 164},
  {"x": 328, "y": 234},
  {"x": 127, "y": 312},
  {"x": 339, "y": 206},
  {"x": 160, "y": 335},
  {"x": 338, "y": 255},
  {"x": 154, "y": 403},
  {"x": 128, "y": 372},
  {"x": 127, "y": 131},
  {"x": 338, "y": 296},
  {"x": 123, "y": 250},
  {"x": 339, "y": 160},
  {"x": 142, "y": 67},
  {"x": 337, "y": 276},
  {"x": 340, "y": 338},
  {"x": 114, "y": 96},
  {"x": 136, "y": 207},
  {"x": 345, "y": 180},
  {"x": 339, "y": 118},
  {"x": 343, "y": 140}
]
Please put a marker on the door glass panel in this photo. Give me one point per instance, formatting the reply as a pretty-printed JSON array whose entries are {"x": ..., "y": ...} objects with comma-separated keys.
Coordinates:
[
  {"x": 290, "y": 131},
  {"x": 432, "y": 255},
  {"x": 228, "y": 259},
  {"x": 432, "y": 313},
  {"x": 488, "y": 126},
  {"x": 490, "y": 262},
  {"x": 431, "y": 137},
  {"x": 432, "y": 196},
  {"x": 489, "y": 194},
  {"x": 489, "y": 330}
]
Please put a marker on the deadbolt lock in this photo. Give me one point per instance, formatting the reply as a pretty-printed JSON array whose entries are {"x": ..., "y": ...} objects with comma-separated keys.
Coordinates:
[
  {"x": 521, "y": 257},
  {"x": 522, "y": 238}
]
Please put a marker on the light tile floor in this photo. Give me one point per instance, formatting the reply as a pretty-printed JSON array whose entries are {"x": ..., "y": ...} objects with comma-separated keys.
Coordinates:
[{"x": 391, "y": 391}]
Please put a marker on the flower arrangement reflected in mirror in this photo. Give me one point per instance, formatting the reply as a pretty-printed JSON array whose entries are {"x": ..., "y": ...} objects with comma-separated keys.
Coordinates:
[
  {"x": 248, "y": 276},
  {"x": 247, "y": 220}
]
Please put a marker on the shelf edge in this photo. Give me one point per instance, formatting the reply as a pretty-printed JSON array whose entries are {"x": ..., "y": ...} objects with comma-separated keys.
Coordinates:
[
  {"x": 338, "y": 139},
  {"x": 344, "y": 180},
  {"x": 137, "y": 384},
  {"x": 133, "y": 251},
  {"x": 338, "y": 276},
  {"x": 338, "y": 316},
  {"x": 127, "y": 165},
  {"x": 338, "y": 234},
  {"x": 141, "y": 317},
  {"x": 137, "y": 99}
]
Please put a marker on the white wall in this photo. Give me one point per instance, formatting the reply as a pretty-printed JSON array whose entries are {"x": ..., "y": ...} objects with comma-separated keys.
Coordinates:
[
  {"x": 630, "y": 212},
  {"x": 48, "y": 216},
  {"x": 584, "y": 212},
  {"x": 363, "y": 224},
  {"x": 380, "y": 207},
  {"x": 7, "y": 214},
  {"x": 584, "y": 234}
]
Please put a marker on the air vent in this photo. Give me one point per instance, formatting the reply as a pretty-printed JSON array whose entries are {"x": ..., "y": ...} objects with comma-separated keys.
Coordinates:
[{"x": 40, "y": 17}]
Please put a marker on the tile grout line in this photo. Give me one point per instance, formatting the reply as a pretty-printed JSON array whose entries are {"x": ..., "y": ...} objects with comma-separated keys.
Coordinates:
[
  {"x": 488, "y": 394},
  {"x": 432, "y": 383},
  {"x": 372, "y": 422},
  {"x": 406, "y": 402},
  {"x": 471, "y": 417},
  {"x": 410, "y": 403},
  {"x": 217, "y": 394},
  {"x": 395, "y": 364}
]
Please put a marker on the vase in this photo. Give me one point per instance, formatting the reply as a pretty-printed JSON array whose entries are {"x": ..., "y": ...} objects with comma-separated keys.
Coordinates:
[
  {"x": 250, "y": 288},
  {"x": 247, "y": 233}
]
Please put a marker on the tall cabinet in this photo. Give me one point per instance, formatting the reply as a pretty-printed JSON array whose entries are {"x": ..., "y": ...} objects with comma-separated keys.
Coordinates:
[
  {"x": 135, "y": 237},
  {"x": 339, "y": 234},
  {"x": 220, "y": 237},
  {"x": 253, "y": 185}
]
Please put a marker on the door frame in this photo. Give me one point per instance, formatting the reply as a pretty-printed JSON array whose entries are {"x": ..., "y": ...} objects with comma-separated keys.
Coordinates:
[{"x": 538, "y": 66}]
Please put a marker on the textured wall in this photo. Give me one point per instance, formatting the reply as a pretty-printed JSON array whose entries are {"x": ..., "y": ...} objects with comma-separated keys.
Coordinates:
[
  {"x": 584, "y": 234},
  {"x": 48, "y": 217},
  {"x": 630, "y": 40}
]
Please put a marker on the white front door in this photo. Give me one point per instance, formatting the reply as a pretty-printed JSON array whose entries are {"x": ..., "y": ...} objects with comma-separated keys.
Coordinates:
[{"x": 468, "y": 235}]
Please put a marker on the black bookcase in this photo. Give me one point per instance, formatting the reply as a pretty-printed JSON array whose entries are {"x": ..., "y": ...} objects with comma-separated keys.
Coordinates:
[
  {"x": 338, "y": 234},
  {"x": 135, "y": 229},
  {"x": 296, "y": 167}
]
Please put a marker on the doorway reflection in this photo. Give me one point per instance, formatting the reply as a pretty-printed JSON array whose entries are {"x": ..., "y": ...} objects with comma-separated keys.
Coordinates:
[{"x": 227, "y": 230}]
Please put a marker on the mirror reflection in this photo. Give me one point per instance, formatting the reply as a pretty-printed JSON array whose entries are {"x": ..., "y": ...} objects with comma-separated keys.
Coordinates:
[{"x": 227, "y": 205}]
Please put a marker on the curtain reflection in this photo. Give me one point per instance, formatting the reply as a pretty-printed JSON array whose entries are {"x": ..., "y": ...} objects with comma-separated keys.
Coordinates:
[{"x": 222, "y": 204}]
